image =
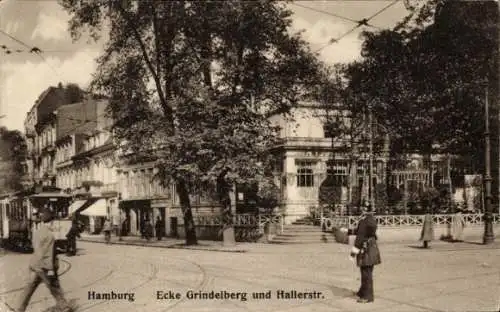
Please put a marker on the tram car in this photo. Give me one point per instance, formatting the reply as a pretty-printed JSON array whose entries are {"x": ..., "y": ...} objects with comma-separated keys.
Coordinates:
[{"x": 19, "y": 217}]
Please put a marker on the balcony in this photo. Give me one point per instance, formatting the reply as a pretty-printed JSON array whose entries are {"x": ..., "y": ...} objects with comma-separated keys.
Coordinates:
[
  {"x": 30, "y": 133},
  {"x": 110, "y": 187},
  {"x": 97, "y": 188},
  {"x": 307, "y": 142},
  {"x": 50, "y": 149}
]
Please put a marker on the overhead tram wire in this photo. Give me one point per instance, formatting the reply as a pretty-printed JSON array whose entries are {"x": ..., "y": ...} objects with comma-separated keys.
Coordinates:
[
  {"x": 363, "y": 22},
  {"x": 10, "y": 50},
  {"x": 333, "y": 15},
  {"x": 32, "y": 49}
]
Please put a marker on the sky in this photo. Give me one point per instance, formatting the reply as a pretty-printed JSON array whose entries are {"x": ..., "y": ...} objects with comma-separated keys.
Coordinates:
[{"x": 43, "y": 24}]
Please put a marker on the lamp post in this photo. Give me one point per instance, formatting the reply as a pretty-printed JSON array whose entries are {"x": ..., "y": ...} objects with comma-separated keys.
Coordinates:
[
  {"x": 370, "y": 155},
  {"x": 371, "y": 187},
  {"x": 120, "y": 218},
  {"x": 488, "y": 237}
]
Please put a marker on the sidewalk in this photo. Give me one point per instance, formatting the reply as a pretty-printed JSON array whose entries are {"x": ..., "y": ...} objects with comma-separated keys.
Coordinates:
[{"x": 166, "y": 242}]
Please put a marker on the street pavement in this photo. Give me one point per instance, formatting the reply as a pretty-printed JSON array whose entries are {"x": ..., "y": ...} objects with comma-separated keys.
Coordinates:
[{"x": 447, "y": 277}]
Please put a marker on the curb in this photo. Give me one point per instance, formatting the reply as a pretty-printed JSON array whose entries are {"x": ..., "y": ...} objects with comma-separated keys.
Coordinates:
[{"x": 173, "y": 246}]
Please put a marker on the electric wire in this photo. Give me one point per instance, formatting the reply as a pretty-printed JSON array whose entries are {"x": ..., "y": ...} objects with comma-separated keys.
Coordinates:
[
  {"x": 361, "y": 23},
  {"x": 32, "y": 49},
  {"x": 334, "y": 15}
]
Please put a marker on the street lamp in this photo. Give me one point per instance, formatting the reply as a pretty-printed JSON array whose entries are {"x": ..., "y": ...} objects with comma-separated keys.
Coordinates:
[
  {"x": 370, "y": 155},
  {"x": 488, "y": 237},
  {"x": 371, "y": 191}
]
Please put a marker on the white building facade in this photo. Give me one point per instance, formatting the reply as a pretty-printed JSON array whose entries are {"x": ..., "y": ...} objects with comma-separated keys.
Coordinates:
[{"x": 319, "y": 168}]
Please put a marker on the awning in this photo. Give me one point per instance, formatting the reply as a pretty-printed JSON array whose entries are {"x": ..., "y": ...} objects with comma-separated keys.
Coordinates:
[
  {"x": 77, "y": 204},
  {"x": 97, "y": 209},
  {"x": 50, "y": 194}
]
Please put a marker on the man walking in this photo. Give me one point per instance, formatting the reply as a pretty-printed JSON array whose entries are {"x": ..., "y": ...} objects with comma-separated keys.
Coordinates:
[
  {"x": 73, "y": 233},
  {"x": 44, "y": 265}
]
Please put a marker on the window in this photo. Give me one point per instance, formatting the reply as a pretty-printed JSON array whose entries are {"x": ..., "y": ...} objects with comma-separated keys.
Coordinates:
[
  {"x": 329, "y": 130},
  {"x": 338, "y": 171},
  {"x": 362, "y": 168},
  {"x": 305, "y": 174}
]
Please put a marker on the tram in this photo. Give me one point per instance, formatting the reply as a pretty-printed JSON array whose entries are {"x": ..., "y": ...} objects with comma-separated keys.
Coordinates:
[{"x": 19, "y": 216}]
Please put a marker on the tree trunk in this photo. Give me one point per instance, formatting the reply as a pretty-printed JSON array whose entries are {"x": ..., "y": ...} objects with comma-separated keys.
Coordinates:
[
  {"x": 429, "y": 163},
  {"x": 228, "y": 237},
  {"x": 224, "y": 190},
  {"x": 450, "y": 185},
  {"x": 189, "y": 226},
  {"x": 450, "y": 198}
]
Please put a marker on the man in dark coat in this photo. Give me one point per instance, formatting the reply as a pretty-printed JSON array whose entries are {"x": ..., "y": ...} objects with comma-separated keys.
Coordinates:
[
  {"x": 159, "y": 226},
  {"x": 73, "y": 233},
  {"x": 367, "y": 254}
]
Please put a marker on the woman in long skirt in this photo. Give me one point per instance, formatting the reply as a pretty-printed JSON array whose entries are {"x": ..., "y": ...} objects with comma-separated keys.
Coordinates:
[
  {"x": 427, "y": 234},
  {"x": 457, "y": 227}
]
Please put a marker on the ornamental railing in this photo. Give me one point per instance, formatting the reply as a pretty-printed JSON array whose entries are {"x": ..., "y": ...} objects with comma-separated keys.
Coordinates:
[
  {"x": 388, "y": 221},
  {"x": 242, "y": 220}
]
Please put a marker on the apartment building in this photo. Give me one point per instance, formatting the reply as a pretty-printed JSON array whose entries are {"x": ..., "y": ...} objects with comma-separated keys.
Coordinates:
[
  {"x": 142, "y": 197},
  {"x": 85, "y": 161},
  {"x": 40, "y": 129}
]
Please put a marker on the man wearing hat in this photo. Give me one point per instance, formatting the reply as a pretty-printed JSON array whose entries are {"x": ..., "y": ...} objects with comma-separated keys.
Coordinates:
[
  {"x": 44, "y": 265},
  {"x": 367, "y": 254}
]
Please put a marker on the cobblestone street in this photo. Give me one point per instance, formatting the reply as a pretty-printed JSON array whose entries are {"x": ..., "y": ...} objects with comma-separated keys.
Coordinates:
[{"x": 448, "y": 277}]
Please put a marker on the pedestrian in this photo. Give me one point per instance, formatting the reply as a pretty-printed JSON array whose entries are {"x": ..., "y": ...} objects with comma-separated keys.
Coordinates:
[
  {"x": 44, "y": 265},
  {"x": 367, "y": 254},
  {"x": 143, "y": 228},
  {"x": 107, "y": 230},
  {"x": 73, "y": 233},
  {"x": 457, "y": 227},
  {"x": 159, "y": 227},
  {"x": 427, "y": 234},
  {"x": 148, "y": 231}
]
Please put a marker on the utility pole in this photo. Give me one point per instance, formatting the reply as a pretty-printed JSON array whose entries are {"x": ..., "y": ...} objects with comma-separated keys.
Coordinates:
[
  {"x": 498, "y": 105},
  {"x": 370, "y": 155},
  {"x": 488, "y": 237}
]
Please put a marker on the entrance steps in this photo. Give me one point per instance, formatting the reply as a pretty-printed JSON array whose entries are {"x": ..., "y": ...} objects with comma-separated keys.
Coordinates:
[{"x": 302, "y": 233}]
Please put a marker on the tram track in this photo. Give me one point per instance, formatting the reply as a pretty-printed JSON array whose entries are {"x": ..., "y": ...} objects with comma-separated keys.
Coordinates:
[
  {"x": 140, "y": 285},
  {"x": 151, "y": 277},
  {"x": 68, "y": 267},
  {"x": 201, "y": 285},
  {"x": 154, "y": 276}
]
